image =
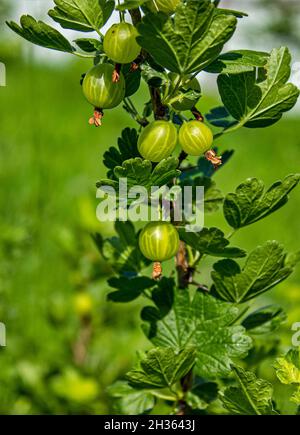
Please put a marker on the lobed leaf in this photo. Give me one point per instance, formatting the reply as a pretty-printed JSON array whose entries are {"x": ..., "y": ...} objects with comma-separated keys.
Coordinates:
[
  {"x": 82, "y": 15},
  {"x": 251, "y": 202},
  {"x": 258, "y": 98},
  {"x": 288, "y": 372},
  {"x": 265, "y": 320},
  {"x": 127, "y": 148},
  {"x": 264, "y": 268},
  {"x": 140, "y": 172},
  {"x": 122, "y": 253},
  {"x": 253, "y": 396},
  {"x": 130, "y": 401},
  {"x": 162, "y": 367},
  {"x": 189, "y": 42},
  {"x": 89, "y": 45},
  {"x": 201, "y": 394},
  {"x": 238, "y": 61},
  {"x": 219, "y": 117},
  {"x": 128, "y": 288},
  {"x": 40, "y": 33},
  {"x": 203, "y": 322},
  {"x": 211, "y": 241}
]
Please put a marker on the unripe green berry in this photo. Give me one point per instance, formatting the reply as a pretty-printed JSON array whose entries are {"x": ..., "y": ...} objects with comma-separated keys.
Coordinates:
[
  {"x": 100, "y": 90},
  {"x": 120, "y": 43},
  {"x": 195, "y": 138},
  {"x": 157, "y": 141},
  {"x": 159, "y": 241}
]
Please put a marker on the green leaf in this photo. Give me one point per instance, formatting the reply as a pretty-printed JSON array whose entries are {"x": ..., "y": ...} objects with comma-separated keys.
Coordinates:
[
  {"x": 264, "y": 348},
  {"x": 82, "y": 15},
  {"x": 162, "y": 367},
  {"x": 288, "y": 371},
  {"x": 127, "y": 148},
  {"x": 211, "y": 241},
  {"x": 251, "y": 202},
  {"x": 130, "y": 4},
  {"x": 288, "y": 367},
  {"x": 89, "y": 45},
  {"x": 139, "y": 172},
  {"x": 253, "y": 396},
  {"x": 132, "y": 80},
  {"x": 130, "y": 401},
  {"x": 201, "y": 394},
  {"x": 292, "y": 259},
  {"x": 265, "y": 320},
  {"x": 238, "y": 61},
  {"x": 259, "y": 98},
  {"x": 41, "y": 34},
  {"x": 153, "y": 77},
  {"x": 203, "y": 322},
  {"x": 122, "y": 253},
  {"x": 213, "y": 197},
  {"x": 264, "y": 268},
  {"x": 237, "y": 14},
  {"x": 219, "y": 117},
  {"x": 189, "y": 42},
  {"x": 128, "y": 288}
]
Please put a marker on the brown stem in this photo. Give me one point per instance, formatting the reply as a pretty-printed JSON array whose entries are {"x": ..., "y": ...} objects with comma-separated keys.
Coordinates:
[
  {"x": 197, "y": 114},
  {"x": 184, "y": 271},
  {"x": 159, "y": 109},
  {"x": 135, "y": 16}
]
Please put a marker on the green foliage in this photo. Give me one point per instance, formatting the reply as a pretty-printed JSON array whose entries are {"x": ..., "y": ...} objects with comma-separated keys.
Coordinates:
[
  {"x": 127, "y": 148},
  {"x": 128, "y": 288},
  {"x": 40, "y": 33},
  {"x": 211, "y": 241},
  {"x": 203, "y": 322},
  {"x": 192, "y": 41},
  {"x": 130, "y": 401},
  {"x": 252, "y": 396},
  {"x": 259, "y": 98},
  {"x": 82, "y": 15},
  {"x": 162, "y": 367},
  {"x": 288, "y": 371},
  {"x": 89, "y": 45},
  {"x": 264, "y": 268},
  {"x": 251, "y": 202},
  {"x": 140, "y": 172},
  {"x": 130, "y": 4},
  {"x": 265, "y": 320},
  {"x": 238, "y": 61},
  {"x": 121, "y": 253},
  {"x": 199, "y": 335}
]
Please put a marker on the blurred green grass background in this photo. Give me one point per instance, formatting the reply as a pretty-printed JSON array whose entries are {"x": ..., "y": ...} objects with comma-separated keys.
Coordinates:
[{"x": 50, "y": 160}]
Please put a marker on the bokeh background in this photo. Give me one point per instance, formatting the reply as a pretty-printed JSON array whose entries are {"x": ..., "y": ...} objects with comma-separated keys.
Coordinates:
[{"x": 50, "y": 271}]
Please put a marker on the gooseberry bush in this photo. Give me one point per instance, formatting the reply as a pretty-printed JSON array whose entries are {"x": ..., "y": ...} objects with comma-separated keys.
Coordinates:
[{"x": 201, "y": 332}]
